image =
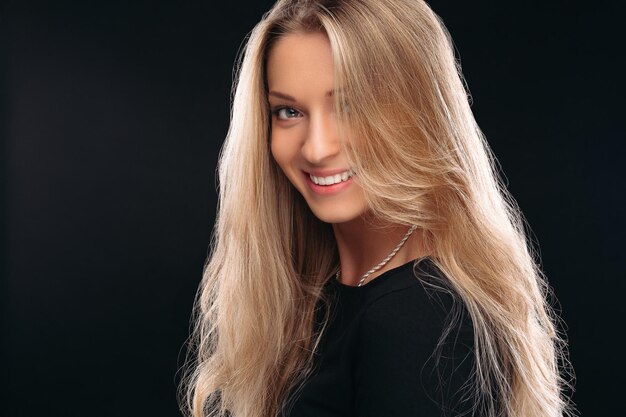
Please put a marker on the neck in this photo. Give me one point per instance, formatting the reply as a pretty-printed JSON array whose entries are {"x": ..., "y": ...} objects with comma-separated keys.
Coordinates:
[{"x": 363, "y": 243}]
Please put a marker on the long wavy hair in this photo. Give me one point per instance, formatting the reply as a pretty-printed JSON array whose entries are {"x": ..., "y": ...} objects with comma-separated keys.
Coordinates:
[{"x": 421, "y": 159}]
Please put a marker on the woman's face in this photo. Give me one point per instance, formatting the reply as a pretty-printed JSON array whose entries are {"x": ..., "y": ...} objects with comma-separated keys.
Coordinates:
[{"x": 304, "y": 139}]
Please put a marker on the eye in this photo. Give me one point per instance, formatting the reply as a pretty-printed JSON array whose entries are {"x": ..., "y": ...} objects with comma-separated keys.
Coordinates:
[{"x": 284, "y": 113}]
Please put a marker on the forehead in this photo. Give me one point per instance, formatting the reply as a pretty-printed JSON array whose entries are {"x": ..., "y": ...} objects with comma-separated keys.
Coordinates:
[{"x": 300, "y": 60}]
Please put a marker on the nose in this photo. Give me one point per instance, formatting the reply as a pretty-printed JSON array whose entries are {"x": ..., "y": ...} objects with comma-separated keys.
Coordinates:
[{"x": 321, "y": 142}]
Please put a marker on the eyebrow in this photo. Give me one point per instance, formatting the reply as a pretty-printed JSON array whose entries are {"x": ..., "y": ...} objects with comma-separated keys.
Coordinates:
[{"x": 289, "y": 98}]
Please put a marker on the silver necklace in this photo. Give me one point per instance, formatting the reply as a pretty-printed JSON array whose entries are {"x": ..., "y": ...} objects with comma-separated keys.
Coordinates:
[{"x": 384, "y": 261}]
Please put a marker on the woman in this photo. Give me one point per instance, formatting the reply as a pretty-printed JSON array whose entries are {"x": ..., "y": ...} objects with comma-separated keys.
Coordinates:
[{"x": 367, "y": 259}]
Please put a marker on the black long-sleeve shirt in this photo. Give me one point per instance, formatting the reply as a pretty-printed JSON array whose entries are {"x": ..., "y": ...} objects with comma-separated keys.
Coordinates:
[{"x": 377, "y": 355}]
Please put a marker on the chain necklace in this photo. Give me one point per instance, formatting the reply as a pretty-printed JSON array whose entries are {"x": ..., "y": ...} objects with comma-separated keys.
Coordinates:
[{"x": 384, "y": 261}]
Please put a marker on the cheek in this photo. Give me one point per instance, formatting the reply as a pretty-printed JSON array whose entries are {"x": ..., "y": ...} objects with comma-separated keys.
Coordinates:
[
  {"x": 276, "y": 150},
  {"x": 284, "y": 150}
]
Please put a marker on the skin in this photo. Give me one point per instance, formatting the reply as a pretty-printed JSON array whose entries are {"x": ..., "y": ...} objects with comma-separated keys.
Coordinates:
[{"x": 304, "y": 137}]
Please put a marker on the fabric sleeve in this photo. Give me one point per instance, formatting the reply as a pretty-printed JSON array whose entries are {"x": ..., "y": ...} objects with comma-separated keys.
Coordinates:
[{"x": 398, "y": 371}]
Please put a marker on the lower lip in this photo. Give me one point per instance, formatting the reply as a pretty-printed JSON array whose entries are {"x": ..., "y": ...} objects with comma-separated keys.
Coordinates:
[{"x": 327, "y": 189}]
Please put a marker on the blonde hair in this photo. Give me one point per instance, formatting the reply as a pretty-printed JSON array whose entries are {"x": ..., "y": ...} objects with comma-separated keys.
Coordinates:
[{"x": 421, "y": 159}]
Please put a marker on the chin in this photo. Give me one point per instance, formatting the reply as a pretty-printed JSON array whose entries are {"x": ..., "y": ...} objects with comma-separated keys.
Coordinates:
[{"x": 342, "y": 209}]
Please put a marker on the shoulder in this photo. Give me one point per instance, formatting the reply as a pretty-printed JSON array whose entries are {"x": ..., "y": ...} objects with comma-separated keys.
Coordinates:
[
  {"x": 419, "y": 329},
  {"x": 422, "y": 300},
  {"x": 415, "y": 348}
]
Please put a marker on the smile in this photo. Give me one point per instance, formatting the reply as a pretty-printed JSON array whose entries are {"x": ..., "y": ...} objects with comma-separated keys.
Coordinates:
[{"x": 332, "y": 179}]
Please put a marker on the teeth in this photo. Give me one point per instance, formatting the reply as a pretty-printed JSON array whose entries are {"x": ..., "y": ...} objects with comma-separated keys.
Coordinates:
[{"x": 332, "y": 179}]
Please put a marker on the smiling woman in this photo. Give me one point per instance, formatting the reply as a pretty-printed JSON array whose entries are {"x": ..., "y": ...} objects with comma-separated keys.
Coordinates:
[
  {"x": 305, "y": 141},
  {"x": 367, "y": 259}
]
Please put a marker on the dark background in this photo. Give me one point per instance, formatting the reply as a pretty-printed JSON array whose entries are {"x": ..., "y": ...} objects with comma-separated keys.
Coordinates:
[{"x": 111, "y": 117}]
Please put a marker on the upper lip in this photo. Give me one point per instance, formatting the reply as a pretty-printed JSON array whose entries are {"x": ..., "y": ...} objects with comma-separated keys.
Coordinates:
[{"x": 319, "y": 173}]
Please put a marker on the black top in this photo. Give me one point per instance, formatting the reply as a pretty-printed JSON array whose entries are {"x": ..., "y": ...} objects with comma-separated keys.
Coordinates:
[{"x": 377, "y": 356}]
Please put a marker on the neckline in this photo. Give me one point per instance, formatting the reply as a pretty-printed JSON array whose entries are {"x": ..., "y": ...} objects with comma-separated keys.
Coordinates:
[{"x": 379, "y": 279}]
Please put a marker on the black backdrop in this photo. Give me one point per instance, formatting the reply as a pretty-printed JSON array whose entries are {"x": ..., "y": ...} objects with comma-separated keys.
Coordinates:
[{"x": 111, "y": 117}]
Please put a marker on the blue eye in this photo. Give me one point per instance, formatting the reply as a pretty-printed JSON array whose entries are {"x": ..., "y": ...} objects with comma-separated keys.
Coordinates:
[{"x": 284, "y": 113}]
